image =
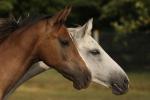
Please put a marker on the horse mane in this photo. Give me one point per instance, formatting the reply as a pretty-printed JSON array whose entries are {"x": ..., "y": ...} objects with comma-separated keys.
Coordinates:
[{"x": 9, "y": 25}]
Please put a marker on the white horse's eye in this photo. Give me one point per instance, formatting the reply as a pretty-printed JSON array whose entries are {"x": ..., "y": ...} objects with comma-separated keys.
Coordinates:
[{"x": 95, "y": 52}]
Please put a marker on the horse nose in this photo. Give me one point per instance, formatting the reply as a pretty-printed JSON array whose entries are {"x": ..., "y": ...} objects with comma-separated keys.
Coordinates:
[
  {"x": 82, "y": 77},
  {"x": 82, "y": 81},
  {"x": 120, "y": 85}
]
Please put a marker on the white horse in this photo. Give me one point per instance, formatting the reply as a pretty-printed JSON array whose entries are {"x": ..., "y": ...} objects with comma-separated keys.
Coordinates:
[{"x": 103, "y": 68}]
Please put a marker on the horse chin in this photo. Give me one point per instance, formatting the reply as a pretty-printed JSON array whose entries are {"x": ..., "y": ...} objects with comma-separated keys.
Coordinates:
[
  {"x": 80, "y": 86},
  {"x": 76, "y": 84},
  {"x": 81, "y": 80},
  {"x": 118, "y": 90}
]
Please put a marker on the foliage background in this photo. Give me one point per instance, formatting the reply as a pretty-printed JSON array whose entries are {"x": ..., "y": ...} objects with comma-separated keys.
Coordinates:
[{"x": 124, "y": 24}]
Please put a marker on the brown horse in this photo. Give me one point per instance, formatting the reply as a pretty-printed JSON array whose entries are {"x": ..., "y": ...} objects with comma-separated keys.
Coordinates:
[{"x": 45, "y": 39}]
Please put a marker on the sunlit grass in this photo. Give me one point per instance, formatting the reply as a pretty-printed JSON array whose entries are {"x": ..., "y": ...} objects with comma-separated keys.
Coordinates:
[{"x": 52, "y": 86}]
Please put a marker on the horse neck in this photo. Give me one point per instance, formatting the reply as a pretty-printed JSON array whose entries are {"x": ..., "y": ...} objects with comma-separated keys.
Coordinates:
[{"x": 17, "y": 52}]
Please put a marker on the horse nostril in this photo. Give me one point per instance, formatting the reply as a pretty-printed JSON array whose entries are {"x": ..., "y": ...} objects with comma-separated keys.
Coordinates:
[
  {"x": 126, "y": 84},
  {"x": 126, "y": 81}
]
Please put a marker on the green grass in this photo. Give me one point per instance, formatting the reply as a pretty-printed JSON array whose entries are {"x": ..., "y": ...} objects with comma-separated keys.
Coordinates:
[{"x": 52, "y": 86}]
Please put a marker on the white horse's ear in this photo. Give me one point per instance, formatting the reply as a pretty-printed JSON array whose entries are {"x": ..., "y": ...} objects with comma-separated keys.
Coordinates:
[
  {"x": 74, "y": 32},
  {"x": 87, "y": 28},
  {"x": 89, "y": 25},
  {"x": 80, "y": 32}
]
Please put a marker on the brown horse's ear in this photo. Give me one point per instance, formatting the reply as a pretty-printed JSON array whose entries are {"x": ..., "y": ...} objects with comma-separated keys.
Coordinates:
[{"x": 60, "y": 17}]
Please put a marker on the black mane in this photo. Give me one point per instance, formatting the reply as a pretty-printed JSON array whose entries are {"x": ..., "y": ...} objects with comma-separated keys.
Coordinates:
[{"x": 9, "y": 25}]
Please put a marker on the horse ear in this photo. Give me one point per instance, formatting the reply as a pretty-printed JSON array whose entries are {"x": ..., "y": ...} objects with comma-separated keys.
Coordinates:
[
  {"x": 80, "y": 32},
  {"x": 88, "y": 27},
  {"x": 85, "y": 29},
  {"x": 61, "y": 16}
]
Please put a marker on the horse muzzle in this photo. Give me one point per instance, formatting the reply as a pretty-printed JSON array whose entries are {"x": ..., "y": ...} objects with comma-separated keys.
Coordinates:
[
  {"x": 120, "y": 86},
  {"x": 82, "y": 80}
]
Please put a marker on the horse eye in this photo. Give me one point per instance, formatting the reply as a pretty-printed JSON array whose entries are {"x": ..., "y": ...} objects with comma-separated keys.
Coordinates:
[
  {"x": 95, "y": 52},
  {"x": 64, "y": 42}
]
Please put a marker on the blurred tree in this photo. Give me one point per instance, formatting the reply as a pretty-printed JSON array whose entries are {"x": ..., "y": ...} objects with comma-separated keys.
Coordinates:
[
  {"x": 131, "y": 20},
  {"x": 126, "y": 23}
]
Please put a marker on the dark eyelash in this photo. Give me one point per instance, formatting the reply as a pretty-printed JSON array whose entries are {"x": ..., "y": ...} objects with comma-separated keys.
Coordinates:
[
  {"x": 95, "y": 52},
  {"x": 64, "y": 42}
]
